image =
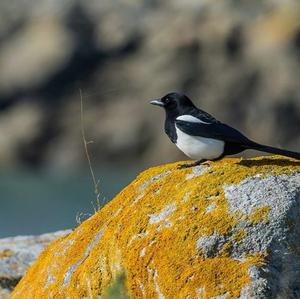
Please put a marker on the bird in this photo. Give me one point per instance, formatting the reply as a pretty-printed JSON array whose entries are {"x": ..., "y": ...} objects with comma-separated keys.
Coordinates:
[{"x": 202, "y": 137}]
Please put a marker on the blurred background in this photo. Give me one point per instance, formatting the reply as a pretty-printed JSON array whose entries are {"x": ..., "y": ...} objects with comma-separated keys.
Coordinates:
[{"x": 239, "y": 60}]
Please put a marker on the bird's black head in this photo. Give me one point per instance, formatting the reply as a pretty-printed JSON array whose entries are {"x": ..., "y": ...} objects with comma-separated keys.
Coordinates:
[{"x": 174, "y": 103}]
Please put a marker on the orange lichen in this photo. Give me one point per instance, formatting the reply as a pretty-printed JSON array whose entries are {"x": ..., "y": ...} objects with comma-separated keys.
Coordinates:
[
  {"x": 6, "y": 253},
  {"x": 159, "y": 256},
  {"x": 219, "y": 276},
  {"x": 260, "y": 214}
]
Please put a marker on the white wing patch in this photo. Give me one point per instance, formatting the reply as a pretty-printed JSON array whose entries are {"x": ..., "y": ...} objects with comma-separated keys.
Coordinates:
[{"x": 191, "y": 119}]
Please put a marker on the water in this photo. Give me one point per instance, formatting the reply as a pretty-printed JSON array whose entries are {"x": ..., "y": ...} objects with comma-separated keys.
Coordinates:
[{"x": 39, "y": 202}]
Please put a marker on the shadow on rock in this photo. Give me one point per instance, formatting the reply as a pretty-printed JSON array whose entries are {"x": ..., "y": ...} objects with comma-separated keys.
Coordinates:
[{"x": 269, "y": 161}]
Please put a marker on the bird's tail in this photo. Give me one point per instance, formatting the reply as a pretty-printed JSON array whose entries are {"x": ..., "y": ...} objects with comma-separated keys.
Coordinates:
[{"x": 273, "y": 150}]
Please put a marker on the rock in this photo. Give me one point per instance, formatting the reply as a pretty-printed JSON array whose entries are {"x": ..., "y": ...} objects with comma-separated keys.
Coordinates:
[
  {"x": 17, "y": 254},
  {"x": 227, "y": 230}
]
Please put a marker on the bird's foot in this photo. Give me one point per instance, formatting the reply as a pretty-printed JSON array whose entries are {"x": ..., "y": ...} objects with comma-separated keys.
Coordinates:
[{"x": 200, "y": 162}]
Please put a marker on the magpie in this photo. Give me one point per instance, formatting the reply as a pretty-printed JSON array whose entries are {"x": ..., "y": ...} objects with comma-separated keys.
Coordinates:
[{"x": 202, "y": 137}]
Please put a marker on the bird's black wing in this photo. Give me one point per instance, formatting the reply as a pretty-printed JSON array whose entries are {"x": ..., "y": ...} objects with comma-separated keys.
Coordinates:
[
  {"x": 202, "y": 116},
  {"x": 213, "y": 129}
]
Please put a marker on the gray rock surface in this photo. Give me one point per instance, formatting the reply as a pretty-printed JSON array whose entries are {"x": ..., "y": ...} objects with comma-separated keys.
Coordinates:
[
  {"x": 238, "y": 59},
  {"x": 278, "y": 235},
  {"x": 17, "y": 254}
]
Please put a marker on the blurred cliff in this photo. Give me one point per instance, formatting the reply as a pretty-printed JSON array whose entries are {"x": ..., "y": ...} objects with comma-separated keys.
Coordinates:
[{"x": 239, "y": 60}]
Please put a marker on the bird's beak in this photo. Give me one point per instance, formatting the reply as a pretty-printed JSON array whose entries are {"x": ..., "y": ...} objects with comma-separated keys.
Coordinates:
[{"x": 157, "y": 103}]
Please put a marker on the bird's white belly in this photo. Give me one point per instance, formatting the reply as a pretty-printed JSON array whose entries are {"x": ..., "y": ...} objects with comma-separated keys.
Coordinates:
[{"x": 198, "y": 148}]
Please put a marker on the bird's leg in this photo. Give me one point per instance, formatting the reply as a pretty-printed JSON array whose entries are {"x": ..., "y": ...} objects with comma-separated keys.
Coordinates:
[{"x": 191, "y": 164}]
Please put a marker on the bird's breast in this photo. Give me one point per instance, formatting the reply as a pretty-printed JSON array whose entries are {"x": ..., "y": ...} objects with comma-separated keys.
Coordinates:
[{"x": 198, "y": 148}]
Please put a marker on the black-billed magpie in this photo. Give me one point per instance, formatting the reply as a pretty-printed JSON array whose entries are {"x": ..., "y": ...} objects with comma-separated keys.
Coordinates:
[{"x": 201, "y": 137}]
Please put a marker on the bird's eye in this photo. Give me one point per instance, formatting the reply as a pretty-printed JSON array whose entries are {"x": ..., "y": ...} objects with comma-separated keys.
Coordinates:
[{"x": 167, "y": 100}]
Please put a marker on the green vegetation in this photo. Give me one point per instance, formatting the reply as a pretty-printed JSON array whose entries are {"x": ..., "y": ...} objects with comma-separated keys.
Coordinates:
[{"x": 117, "y": 290}]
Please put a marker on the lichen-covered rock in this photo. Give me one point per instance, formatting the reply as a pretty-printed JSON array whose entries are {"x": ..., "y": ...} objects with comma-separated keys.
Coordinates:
[
  {"x": 230, "y": 229},
  {"x": 17, "y": 254}
]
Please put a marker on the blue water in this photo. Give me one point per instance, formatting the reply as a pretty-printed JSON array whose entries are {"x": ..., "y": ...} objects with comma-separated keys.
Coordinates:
[{"x": 39, "y": 202}]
